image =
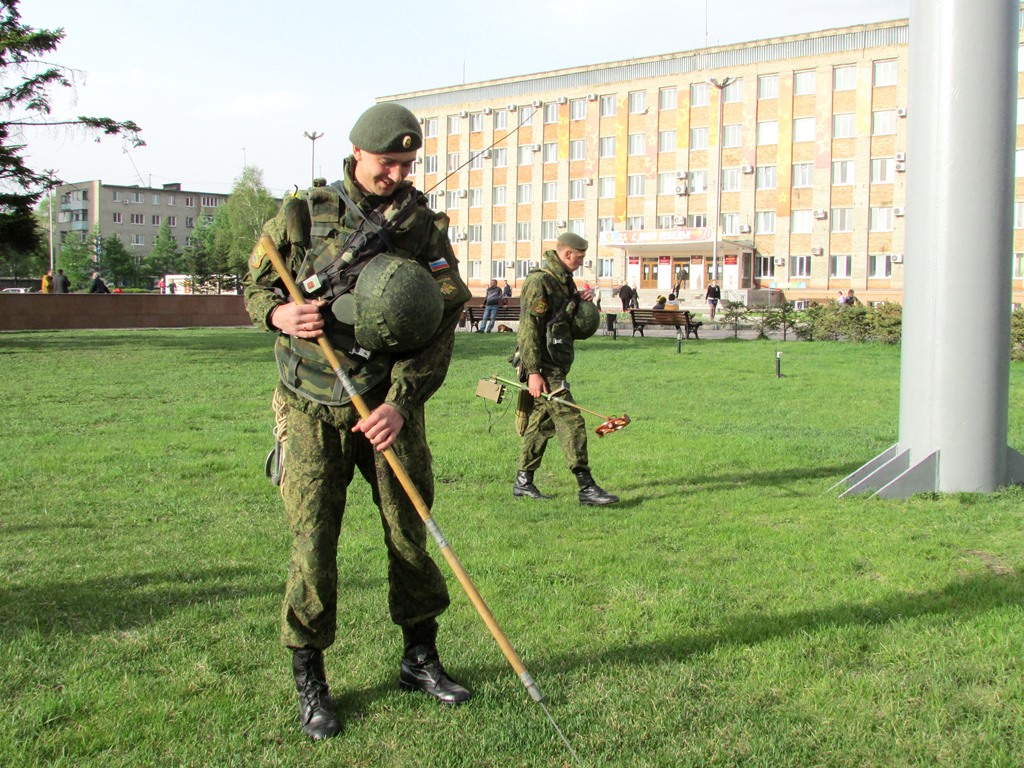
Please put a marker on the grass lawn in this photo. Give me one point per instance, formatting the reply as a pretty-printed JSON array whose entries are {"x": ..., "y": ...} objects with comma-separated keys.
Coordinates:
[{"x": 731, "y": 610}]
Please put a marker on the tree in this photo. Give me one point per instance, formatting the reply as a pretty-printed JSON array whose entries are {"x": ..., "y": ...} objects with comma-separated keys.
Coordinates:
[
  {"x": 239, "y": 221},
  {"x": 25, "y": 104},
  {"x": 197, "y": 259},
  {"x": 77, "y": 257},
  {"x": 118, "y": 264},
  {"x": 164, "y": 258}
]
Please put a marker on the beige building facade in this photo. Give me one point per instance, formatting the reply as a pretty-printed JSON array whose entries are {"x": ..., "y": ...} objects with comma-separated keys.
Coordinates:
[{"x": 776, "y": 164}]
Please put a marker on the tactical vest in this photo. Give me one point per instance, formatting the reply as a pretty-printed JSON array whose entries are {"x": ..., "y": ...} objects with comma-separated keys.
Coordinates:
[
  {"x": 320, "y": 233},
  {"x": 558, "y": 336}
]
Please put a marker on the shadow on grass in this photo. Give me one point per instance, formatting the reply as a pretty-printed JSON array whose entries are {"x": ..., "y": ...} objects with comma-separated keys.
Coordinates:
[
  {"x": 122, "y": 602},
  {"x": 234, "y": 341},
  {"x": 730, "y": 481}
]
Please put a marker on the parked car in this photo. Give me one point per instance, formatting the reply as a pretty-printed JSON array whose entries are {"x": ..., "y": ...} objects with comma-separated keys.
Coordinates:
[{"x": 16, "y": 290}]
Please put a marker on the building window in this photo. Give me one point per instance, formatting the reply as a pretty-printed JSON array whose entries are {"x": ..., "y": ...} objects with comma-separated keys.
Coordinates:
[
  {"x": 499, "y": 195},
  {"x": 666, "y": 185},
  {"x": 524, "y": 154},
  {"x": 698, "y": 138},
  {"x": 577, "y": 149},
  {"x": 880, "y": 219},
  {"x": 883, "y": 122},
  {"x": 523, "y": 231},
  {"x": 699, "y": 95},
  {"x": 548, "y": 230},
  {"x": 524, "y": 194},
  {"x": 605, "y": 224},
  {"x": 550, "y": 113},
  {"x": 803, "y": 129},
  {"x": 549, "y": 191},
  {"x": 842, "y": 172},
  {"x": 1018, "y": 266},
  {"x": 844, "y": 126},
  {"x": 604, "y": 267},
  {"x": 606, "y": 187},
  {"x": 117, "y": 218},
  {"x": 764, "y": 266},
  {"x": 764, "y": 177},
  {"x": 476, "y": 161},
  {"x": 697, "y": 181},
  {"x": 430, "y": 127},
  {"x": 634, "y": 222},
  {"x": 839, "y": 266},
  {"x": 879, "y": 265},
  {"x": 155, "y": 220},
  {"x": 635, "y": 185},
  {"x": 577, "y": 189},
  {"x": 172, "y": 221},
  {"x": 499, "y": 157},
  {"x": 474, "y": 269},
  {"x": 476, "y": 122},
  {"x": 498, "y": 269},
  {"x": 768, "y": 87},
  {"x": 732, "y": 135},
  {"x": 805, "y": 83},
  {"x": 137, "y": 218},
  {"x": 883, "y": 170},
  {"x": 476, "y": 197},
  {"x": 842, "y": 219},
  {"x": 844, "y": 78},
  {"x": 885, "y": 73},
  {"x": 498, "y": 232},
  {"x": 637, "y": 102},
  {"x": 156, "y": 199},
  {"x": 768, "y": 132},
  {"x": 170, "y": 200},
  {"x": 501, "y": 119},
  {"x": 665, "y": 221},
  {"x": 430, "y": 164},
  {"x": 1018, "y": 215},
  {"x": 606, "y": 146},
  {"x": 551, "y": 152},
  {"x": 733, "y": 92},
  {"x": 800, "y": 266},
  {"x": 138, "y": 240},
  {"x": 636, "y": 143},
  {"x": 454, "y": 123},
  {"x": 803, "y": 174},
  {"x": 475, "y": 233},
  {"x": 578, "y": 109},
  {"x": 117, "y": 195},
  {"x": 190, "y": 222},
  {"x": 210, "y": 202},
  {"x": 666, "y": 141},
  {"x": 800, "y": 222},
  {"x": 452, "y": 198},
  {"x": 607, "y": 106},
  {"x": 577, "y": 227},
  {"x": 764, "y": 222},
  {"x": 697, "y": 220},
  {"x": 730, "y": 223},
  {"x": 667, "y": 98},
  {"x": 730, "y": 179}
]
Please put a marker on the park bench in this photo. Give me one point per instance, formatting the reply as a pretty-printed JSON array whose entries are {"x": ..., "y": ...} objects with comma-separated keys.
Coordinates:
[
  {"x": 508, "y": 311},
  {"x": 674, "y": 318}
]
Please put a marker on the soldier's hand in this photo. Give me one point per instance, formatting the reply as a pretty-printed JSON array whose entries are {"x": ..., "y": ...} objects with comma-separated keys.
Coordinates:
[
  {"x": 587, "y": 295},
  {"x": 536, "y": 384},
  {"x": 303, "y": 321},
  {"x": 381, "y": 427}
]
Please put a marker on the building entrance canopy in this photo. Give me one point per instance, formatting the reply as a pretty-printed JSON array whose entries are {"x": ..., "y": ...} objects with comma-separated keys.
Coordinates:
[{"x": 682, "y": 241}]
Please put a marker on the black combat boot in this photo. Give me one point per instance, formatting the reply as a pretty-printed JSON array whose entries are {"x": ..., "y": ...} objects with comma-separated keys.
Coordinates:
[
  {"x": 591, "y": 494},
  {"x": 524, "y": 485},
  {"x": 316, "y": 708},
  {"x": 421, "y": 668}
]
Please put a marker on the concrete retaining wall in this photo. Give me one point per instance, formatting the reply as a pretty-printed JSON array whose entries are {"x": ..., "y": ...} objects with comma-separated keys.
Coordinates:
[{"x": 37, "y": 312}]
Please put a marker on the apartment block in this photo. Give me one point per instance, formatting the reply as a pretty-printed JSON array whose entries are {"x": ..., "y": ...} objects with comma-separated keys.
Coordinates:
[{"x": 774, "y": 164}]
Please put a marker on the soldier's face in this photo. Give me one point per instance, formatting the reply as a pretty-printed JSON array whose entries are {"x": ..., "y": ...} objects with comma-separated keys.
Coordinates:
[
  {"x": 380, "y": 174},
  {"x": 571, "y": 258}
]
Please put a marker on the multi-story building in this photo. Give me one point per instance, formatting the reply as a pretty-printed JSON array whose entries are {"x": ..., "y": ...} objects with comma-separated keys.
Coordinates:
[
  {"x": 776, "y": 163},
  {"x": 132, "y": 213}
]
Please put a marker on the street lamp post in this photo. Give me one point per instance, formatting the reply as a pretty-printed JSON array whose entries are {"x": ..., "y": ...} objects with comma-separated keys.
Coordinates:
[
  {"x": 51, "y": 173},
  {"x": 312, "y": 136},
  {"x": 721, "y": 86}
]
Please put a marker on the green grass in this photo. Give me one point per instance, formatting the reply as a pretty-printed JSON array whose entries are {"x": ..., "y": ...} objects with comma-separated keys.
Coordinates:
[{"x": 730, "y": 611}]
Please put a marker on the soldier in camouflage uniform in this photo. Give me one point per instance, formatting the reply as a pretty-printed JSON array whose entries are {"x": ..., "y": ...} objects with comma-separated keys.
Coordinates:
[
  {"x": 549, "y": 302},
  {"x": 324, "y": 240}
]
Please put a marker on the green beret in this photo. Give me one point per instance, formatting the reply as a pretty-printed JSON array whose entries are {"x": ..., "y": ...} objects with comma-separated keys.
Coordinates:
[
  {"x": 387, "y": 128},
  {"x": 574, "y": 241}
]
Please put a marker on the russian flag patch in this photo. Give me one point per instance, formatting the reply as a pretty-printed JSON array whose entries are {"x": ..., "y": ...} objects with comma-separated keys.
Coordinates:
[{"x": 438, "y": 264}]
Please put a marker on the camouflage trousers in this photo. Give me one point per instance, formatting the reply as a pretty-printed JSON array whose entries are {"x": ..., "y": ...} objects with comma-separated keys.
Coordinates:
[
  {"x": 322, "y": 456},
  {"x": 547, "y": 419}
]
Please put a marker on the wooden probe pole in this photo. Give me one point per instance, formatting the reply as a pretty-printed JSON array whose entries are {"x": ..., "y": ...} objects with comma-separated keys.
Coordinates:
[{"x": 403, "y": 477}]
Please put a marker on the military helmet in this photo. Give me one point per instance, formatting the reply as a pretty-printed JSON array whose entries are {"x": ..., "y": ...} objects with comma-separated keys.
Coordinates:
[
  {"x": 398, "y": 305},
  {"x": 586, "y": 320}
]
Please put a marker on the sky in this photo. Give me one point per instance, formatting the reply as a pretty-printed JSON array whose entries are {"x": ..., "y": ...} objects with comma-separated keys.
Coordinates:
[{"x": 218, "y": 85}]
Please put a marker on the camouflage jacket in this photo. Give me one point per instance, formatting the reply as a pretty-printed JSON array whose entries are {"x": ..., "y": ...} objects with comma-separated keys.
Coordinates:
[
  {"x": 545, "y": 337},
  {"x": 308, "y": 237}
]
